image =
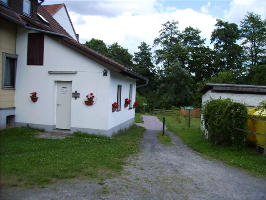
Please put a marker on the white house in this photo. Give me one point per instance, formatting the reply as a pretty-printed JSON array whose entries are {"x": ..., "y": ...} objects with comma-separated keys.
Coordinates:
[{"x": 62, "y": 72}]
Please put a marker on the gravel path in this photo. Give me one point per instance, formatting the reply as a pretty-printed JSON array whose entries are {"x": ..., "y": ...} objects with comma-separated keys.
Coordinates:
[{"x": 158, "y": 172}]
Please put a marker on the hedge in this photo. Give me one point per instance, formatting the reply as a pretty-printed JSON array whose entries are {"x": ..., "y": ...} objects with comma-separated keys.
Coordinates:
[{"x": 221, "y": 118}]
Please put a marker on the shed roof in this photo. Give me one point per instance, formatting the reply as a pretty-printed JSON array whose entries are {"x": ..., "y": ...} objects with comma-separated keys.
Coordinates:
[{"x": 234, "y": 88}]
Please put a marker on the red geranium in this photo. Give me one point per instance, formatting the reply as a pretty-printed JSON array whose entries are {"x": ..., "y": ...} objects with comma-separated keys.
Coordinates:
[
  {"x": 115, "y": 105},
  {"x": 90, "y": 97},
  {"x": 33, "y": 94},
  {"x": 127, "y": 101}
]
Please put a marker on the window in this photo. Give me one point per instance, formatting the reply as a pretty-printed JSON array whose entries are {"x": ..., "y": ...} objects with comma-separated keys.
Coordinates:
[
  {"x": 119, "y": 90},
  {"x": 27, "y": 7},
  {"x": 130, "y": 95},
  {"x": 5, "y": 1},
  {"x": 9, "y": 71},
  {"x": 35, "y": 49}
]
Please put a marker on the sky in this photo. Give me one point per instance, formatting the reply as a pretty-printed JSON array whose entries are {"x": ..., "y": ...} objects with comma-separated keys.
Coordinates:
[{"x": 130, "y": 22}]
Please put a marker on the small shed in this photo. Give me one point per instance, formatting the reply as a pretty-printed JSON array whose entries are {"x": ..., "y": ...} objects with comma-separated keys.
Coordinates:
[{"x": 249, "y": 95}]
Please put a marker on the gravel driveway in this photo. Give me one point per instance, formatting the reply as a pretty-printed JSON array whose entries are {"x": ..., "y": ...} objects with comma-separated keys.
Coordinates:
[{"x": 158, "y": 172}]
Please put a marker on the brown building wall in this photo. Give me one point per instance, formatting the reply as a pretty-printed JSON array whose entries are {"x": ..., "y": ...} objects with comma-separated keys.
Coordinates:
[{"x": 193, "y": 113}]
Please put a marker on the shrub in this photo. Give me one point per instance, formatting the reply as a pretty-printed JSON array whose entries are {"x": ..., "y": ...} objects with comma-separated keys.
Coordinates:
[{"x": 221, "y": 118}]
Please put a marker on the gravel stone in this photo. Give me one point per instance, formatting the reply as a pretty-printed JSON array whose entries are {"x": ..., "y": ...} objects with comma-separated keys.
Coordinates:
[{"x": 157, "y": 172}]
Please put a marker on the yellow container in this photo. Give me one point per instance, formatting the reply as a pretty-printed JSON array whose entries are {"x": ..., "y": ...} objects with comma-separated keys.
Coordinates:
[
  {"x": 251, "y": 127},
  {"x": 260, "y": 127}
]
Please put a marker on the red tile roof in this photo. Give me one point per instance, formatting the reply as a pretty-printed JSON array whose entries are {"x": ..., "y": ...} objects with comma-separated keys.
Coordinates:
[{"x": 52, "y": 9}]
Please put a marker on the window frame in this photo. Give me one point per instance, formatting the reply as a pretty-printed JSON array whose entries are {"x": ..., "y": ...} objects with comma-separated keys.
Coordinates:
[
  {"x": 119, "y": 92},
  {"x": 30, "y": 11},
  {"x": 4, "y": 58},
  {"x": 130, "y": 95}
]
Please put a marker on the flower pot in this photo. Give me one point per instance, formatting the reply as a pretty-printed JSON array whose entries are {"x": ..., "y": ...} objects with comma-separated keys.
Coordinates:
[
  {"x": 113, "y": 109},
  {"x": 89, "y": 102},
  {"x": 34, "y": 99},
  {"x": 126, "y": 105}
]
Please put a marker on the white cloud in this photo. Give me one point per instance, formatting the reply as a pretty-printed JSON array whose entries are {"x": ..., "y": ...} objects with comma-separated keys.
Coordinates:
[
  {"x": 130, "y": 30},
  {"x": 239, "y": 8},
  {"x": 205, "y": 8}
]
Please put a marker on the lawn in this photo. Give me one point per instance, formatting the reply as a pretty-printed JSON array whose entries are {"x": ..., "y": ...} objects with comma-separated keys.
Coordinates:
[
  {"x": 245, "y": 158},
  {"x": 28, "y": 161}
]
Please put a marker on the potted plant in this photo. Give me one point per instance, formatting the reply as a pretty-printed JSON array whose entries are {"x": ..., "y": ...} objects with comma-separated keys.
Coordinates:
[
  {"x": 90, "y": 98},
  {"x": 135, "y": 104},
  {"x": 127, "y": 102},
  {"x": 33, "y": 96},
  {"x": 114, "y": 106}
]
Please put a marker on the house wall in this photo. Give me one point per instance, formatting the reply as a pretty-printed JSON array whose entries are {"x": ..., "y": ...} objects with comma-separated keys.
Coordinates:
[
  {"x": 250, "y": 100},
  {"x": 8, "y": 45},
  {"x": 62, "y": 18},
  {"x": 89, "y": 78},
  {"x": 125, "y": 117}
]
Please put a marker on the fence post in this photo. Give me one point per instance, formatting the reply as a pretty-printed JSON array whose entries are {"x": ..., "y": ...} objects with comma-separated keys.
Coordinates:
[{"x": 163, "y": 124}]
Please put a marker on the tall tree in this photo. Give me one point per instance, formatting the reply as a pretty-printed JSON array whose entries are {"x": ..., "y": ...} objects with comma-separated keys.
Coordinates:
[
  {"x": 228, "y": 52},
  {"x": 143, "y": 65},
  {"x": 98, "y": 45},
  {"x": 254, "y": 34},
  {"x": 120, "y": 55},
  {"x": 198, "y": 59},
  {"x": 167, "y": 40}
]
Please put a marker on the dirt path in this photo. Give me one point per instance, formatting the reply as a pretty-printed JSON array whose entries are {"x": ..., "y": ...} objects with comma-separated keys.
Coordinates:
[{"x": 158, "y": 172}]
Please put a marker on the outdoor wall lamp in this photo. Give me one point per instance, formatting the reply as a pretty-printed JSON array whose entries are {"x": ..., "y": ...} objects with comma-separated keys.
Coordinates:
[{"x": 105, "y": 72}]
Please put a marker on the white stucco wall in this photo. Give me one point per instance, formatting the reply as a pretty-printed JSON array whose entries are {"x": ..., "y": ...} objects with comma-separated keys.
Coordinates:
[
  {"x": 97, "y": 118},
  {"x": 62, "y": 18},
  {"x": 126, "y": 113},
  {"x": 249, "y": 100}
]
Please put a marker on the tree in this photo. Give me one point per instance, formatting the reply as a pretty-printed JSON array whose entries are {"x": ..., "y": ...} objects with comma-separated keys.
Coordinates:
[
  {"x": 228, "y": 52},
  {"x": 254, "y": 34},
  {"x": 167, "y": 40},
  {"x": 175, "y": 88},
  {"x": 143, "y": 65},
  {"x": 257, "y": 75},
  {"x": 120, "y": 55},
  {"x": 98, "y": 45},
  {"x": 198, "y": 59}
]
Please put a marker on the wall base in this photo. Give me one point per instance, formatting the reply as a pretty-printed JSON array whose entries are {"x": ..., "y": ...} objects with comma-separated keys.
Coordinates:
[
  {"x": 108, "y": 133},
  {"x": 7, "y": 117}
]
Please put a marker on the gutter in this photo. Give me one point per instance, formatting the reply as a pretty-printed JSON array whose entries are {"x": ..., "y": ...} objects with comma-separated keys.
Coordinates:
[
  {"x": 31, "y": 28},
  {"x": 127, "y": 71}
]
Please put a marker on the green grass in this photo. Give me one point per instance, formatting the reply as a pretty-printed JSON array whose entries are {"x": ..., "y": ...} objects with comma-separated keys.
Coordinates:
[
  {"x": 28, "y": 161},
  {"x": 164, "y": 139},
  {"x": 245, "y": 158},
  {"x": 138, "y": 118}
]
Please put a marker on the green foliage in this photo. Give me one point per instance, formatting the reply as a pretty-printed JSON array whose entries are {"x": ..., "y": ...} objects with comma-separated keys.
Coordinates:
[
  {"x": 223, "y": 77},
  {"x": 221, "y": 117},
  {"x": 27, "y": 160},
  {"x": 254, "y": 38},
  {"x": 228, "y": 52},
  {"x": 257, "y": 75},
  {"x": 140, "y": 107},
  {"x": 138, "y": 118},
  {"x": 98, "y": 45}
]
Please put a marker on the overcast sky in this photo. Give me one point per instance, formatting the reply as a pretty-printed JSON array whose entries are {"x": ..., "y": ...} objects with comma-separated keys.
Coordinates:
[{"x": 131, "y": 22}]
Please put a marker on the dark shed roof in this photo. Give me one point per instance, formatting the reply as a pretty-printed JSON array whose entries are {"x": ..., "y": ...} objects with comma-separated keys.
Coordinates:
[{"x": 234, "y": 88}]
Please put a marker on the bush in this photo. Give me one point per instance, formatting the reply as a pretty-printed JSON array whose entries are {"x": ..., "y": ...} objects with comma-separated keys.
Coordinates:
[{"x": 221, "y": 118}]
